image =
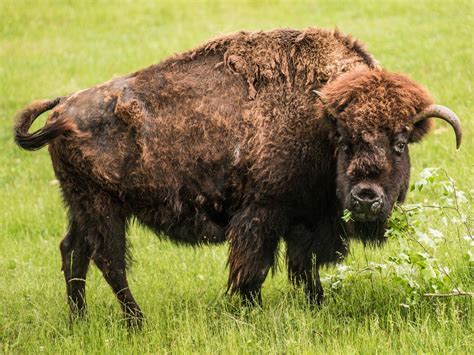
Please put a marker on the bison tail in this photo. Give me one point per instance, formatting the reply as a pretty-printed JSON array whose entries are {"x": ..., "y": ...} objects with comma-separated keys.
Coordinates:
[{"x": 25, "y": 118}]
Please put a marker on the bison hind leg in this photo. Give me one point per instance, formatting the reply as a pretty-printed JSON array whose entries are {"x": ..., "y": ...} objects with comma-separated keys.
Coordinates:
[
  {"x": 75, "y": 255},
  {"x": 100, "y": 230},
  {"x": 110, "y": 256}
]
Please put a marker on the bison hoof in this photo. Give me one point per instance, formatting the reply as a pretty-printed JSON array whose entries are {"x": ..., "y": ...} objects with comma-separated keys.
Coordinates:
[
  {"x": 77, "y": 310},
  {"x": 252, "y": 299},
  {"x": 315, "y": 298},
  {"x": 319, "y": 299},
  {"x": 134, "y": 317},
  {"x": 135, "y": 322}
]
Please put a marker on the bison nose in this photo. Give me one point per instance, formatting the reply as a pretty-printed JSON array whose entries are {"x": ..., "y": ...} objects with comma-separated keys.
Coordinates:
[{"x": 366, "y": 200}]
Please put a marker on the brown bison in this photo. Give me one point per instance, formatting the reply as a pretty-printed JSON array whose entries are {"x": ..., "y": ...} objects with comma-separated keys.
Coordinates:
[{"x": 250, "y": 138}]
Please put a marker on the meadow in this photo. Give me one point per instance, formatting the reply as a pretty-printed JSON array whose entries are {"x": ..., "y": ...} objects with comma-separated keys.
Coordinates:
[{"x": 51, "y": 48}]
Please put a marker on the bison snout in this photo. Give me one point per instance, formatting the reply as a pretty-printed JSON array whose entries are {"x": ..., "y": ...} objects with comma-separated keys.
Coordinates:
[{"x": 366, "y": 201}]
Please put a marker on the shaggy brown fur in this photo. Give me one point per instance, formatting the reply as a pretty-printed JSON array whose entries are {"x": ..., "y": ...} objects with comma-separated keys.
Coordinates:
[{"x": 231, "y": 142}]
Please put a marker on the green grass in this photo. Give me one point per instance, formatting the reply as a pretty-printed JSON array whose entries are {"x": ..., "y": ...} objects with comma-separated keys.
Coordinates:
[{"x": 51, "y": 48}]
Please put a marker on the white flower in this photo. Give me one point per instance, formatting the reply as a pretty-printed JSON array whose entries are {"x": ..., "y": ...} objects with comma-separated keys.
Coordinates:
[
  {"x": 424, "y": 238},
  {"x": 436, "y": 233}
]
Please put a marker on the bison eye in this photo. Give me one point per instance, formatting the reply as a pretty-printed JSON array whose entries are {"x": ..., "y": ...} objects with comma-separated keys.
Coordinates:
[{"x": 400, "y": 147}]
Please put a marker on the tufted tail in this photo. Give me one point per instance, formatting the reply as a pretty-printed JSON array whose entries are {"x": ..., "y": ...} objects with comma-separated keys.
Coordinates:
[{"x": 25, "y": 118}]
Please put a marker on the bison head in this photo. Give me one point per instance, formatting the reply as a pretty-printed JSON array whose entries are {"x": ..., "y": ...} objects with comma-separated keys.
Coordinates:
[{"x": 374, "y": 116}]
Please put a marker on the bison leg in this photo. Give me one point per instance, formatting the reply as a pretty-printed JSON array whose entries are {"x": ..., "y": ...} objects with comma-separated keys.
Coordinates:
[
  {"x": 75, "y": 262},
  {"x": 102, "y": 222},
  {"x": 303, "y": 268},
  {"x": 253, "y": 236},
  {"x": 109, "y": 256}
]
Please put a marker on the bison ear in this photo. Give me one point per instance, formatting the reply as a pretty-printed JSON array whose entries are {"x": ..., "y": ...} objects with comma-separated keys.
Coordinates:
[
  {"x": 331, "y": 126},
  {"x": 420, "y": 129}
]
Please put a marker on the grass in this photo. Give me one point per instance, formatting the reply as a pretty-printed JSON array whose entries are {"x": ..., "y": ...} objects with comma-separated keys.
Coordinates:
[{"x": 51, "y": 48}]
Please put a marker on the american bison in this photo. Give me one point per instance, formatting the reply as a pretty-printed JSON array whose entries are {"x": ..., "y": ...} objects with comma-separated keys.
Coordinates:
[{"x": 250, "y": 138}]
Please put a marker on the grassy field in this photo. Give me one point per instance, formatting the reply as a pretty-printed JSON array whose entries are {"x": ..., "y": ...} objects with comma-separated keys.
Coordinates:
[{"x": 52, "y": 48}]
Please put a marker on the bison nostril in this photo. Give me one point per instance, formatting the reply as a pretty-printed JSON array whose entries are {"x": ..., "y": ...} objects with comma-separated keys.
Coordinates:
[
  {"x": 376, "y": 206},
  {"x": 355, "y": 202},
  {"x": 368, "y": 195}
]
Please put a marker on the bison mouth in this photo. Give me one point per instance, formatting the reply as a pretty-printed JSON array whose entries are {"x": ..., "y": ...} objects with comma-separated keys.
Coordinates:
[{"x": 364, "y": 217}]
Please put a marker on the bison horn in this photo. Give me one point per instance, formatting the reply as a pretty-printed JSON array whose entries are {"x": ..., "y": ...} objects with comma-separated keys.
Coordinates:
[
  {"x": 445, "y": 114},
  {"x": 321, "y": 96}
]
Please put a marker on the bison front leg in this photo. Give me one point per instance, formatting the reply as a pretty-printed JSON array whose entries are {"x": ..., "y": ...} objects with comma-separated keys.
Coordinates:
[
  {"x": 253, "y": 235},
  {"x": 303, "y": 266}
]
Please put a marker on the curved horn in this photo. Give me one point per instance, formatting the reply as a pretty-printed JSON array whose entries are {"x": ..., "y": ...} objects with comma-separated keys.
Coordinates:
[
  {"x": 321, "y": 96},
  {"x": 445, "y": 114}
]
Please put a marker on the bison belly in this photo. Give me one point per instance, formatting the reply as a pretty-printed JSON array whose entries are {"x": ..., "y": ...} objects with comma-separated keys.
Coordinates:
[{"x": 190, "y": 205}]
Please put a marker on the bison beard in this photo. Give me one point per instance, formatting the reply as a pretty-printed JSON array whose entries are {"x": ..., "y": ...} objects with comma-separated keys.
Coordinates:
[{"x": 251, "y": 138}]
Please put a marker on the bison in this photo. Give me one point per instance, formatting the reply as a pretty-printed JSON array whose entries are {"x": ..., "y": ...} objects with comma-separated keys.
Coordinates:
[{"x": 251, "y": 138}]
